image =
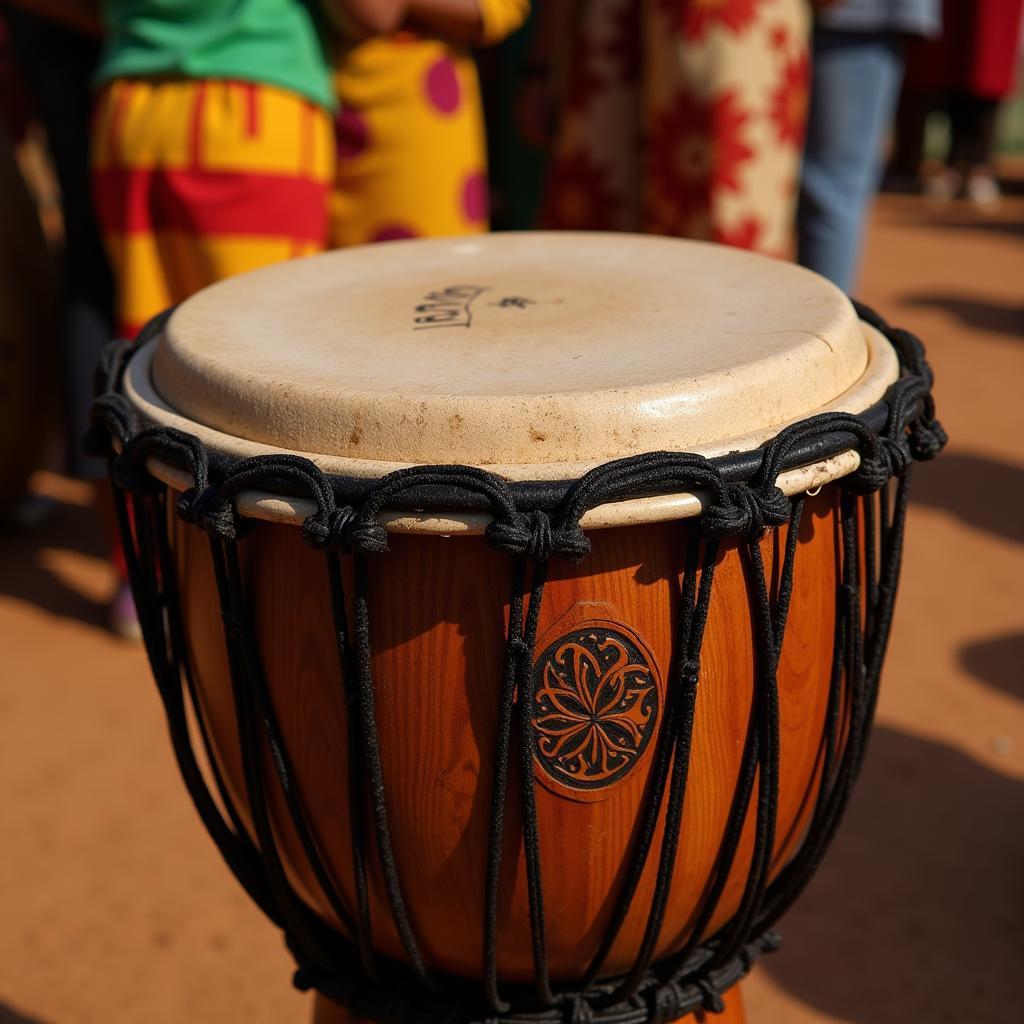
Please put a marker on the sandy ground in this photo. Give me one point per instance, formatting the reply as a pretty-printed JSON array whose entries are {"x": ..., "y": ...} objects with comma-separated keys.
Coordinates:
[{"x": 114, "y": 907}]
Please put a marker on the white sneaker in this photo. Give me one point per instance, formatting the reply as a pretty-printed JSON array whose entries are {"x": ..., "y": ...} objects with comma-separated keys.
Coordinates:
[{"x": 982, "y": 189}]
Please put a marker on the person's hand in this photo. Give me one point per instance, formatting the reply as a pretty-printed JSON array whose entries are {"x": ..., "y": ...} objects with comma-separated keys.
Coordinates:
[{"x": 361, "y": 18}]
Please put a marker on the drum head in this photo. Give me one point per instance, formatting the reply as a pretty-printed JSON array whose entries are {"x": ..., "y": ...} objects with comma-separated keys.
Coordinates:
[{"x": 535, "y": 355}]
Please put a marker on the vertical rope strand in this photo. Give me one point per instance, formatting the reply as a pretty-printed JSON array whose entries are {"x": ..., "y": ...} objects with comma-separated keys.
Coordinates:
[
  {"x": 876, "y": 643},
  {"x": 515, "y": 652},
  {"x": 183, "y": 667},
  {"x": 298, "y": 922},
  {"x": 531, "y": 830},
  {"x": 766, "y": 806},
  {"x": 796, "y": 874},
  {"x": 238, "y": 854},
  {"x": 869, "y": 503},
  {"x": 849, "y": 643},
  {"x": 892, "y": 558},
  {"x": 751, "y": 758},
  {"x": 280, "y": 758},
  {"x": 371, "y": 753},
  {"x": 693, "y": 619},
  {"x": 769, "y": 630},
  {"x": 659, "y": 773},
  {"x": 356, "y": 781}
]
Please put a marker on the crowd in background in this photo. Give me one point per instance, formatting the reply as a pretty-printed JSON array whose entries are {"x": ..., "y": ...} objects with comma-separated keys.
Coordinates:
[{"x": 196, "y": 139}]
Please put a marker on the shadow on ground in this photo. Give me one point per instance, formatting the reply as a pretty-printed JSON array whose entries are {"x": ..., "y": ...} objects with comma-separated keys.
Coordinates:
[
  {"x": 8, "y": 1015},
  {"x": 1005, "y": 320},
  {"x": 981, "y": 492},
  {"x": 998, "y": 662},
  {"x": 914, "y": 915},
  {"x": 26, "y": 576},
  {"x": 973, "y": 221}
]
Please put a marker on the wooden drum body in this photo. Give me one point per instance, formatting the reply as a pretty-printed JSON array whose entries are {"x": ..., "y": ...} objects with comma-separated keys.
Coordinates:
[
  {"x": 555, "y": 722},
  {"x": 439, "y": 610}
]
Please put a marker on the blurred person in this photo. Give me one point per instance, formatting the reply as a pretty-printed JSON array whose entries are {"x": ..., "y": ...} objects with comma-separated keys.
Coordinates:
[
  {"x": 60, "y": 92},
  {"x": 26, "y": 305},
  {"x": 676, "y": 117},
  {"x": 212, "y": 146},
  {"x": 212, "y": 151},
  {"x": 967, "y": 71},
  {"x": 857, "y": 66},
  {"x": 410, "y": 131}
]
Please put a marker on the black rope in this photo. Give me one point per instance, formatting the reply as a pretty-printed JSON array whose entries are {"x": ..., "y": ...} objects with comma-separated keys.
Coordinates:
[
  {"x": 356, "y": 781},
  {"x": 531, "y": 522},
  {"x": 531, "y": 830},
  {"x": 849, "y": 667},
  {"x": 514, "y": 653},
  {"x": 768, "y": 631},
  {"x": 371, "y": 753},
  {"x": 180, "y": 667},
  {"x": 753, "y": 756},
  {"x": 679, "y": 730},
  {"x": 231, "y": 842},
  {"x": 299, "y": 922},
  {"x": 687, "y": 669}
]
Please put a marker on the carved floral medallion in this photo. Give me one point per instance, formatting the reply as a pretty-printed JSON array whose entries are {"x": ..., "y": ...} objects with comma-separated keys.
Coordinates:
[{"x": 595, "y": 706}]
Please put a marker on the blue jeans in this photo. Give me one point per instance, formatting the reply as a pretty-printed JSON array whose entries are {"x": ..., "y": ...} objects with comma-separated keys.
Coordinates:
[{"x": 855, "y": 83}]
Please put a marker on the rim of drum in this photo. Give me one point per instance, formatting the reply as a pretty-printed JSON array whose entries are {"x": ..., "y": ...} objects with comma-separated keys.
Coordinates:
[{"x": 881, "y": 371}]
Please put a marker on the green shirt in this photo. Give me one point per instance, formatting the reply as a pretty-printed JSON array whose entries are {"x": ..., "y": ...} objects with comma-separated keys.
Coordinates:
[{"x": 274, "y": 42}]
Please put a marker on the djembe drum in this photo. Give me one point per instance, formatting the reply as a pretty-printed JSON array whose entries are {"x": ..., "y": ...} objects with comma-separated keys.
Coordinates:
[{"x": 527, "y": 596}]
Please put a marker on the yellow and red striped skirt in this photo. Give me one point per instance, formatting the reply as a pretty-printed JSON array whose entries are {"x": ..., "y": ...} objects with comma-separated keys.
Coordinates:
[{"x": 197, "y": 180}]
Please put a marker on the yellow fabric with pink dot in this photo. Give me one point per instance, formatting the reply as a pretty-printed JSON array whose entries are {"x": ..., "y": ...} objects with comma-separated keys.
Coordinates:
[{"x": 410, "y": 135}]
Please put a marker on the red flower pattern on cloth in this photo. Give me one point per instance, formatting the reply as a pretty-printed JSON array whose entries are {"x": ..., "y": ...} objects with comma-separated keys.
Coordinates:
[
  {"x": 745, "y": 234},
  {"x": 702, "y": 138},
  {"x": 695, "y": 18},
  {"x": 698, "y": 146},
  {"x": 779, "y": 37},
  {"x": 579, "y": 195},
  {"x": 790, "y": 99}
]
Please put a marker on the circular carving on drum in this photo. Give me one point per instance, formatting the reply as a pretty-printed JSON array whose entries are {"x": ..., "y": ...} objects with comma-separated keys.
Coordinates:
[{"x": 595, "y": 706}]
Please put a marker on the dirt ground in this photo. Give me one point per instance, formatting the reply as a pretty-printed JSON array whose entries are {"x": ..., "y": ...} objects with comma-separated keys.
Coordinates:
[{"x": 114, "y": 907}]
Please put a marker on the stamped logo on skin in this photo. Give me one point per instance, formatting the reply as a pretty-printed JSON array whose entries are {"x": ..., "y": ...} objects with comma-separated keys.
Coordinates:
[
  {"x": 595, "y": 706},
  {"x": 453, "y": 306},
  {"x": 447, "y": 307}
]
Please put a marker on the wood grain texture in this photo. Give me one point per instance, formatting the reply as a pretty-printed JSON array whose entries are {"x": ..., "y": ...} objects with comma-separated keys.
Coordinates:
[{"x": 438, "y": 612}]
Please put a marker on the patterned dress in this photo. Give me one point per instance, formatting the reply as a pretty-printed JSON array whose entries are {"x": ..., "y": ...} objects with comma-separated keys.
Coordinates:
[
  {"x": 198, "y": 180},
  {"x": 410, "y": 135},
  {"x": 684, "y": 117}
]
